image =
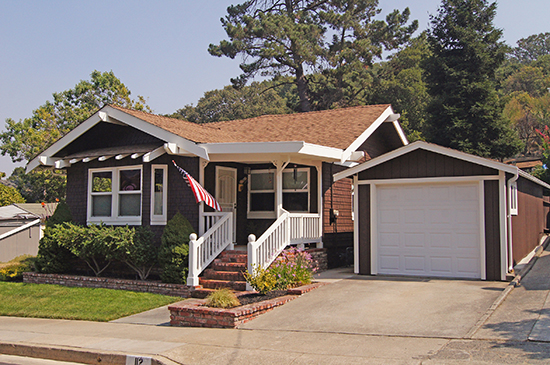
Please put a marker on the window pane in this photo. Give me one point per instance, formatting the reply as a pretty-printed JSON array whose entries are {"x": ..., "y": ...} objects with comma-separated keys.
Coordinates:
[
  {"x": 129, "y": 205},
  {"x": 261, "y": 181},
  {"x": 101, "y": 206},
  {"x": 295, "y": 202},
  {"x": 130, "y": 180},
  {"x": 102, "y": 181},
  {"x": 295, "y": 181},
  {"x": 157, "y": 195},
  {"x": 262, "y": 202}
]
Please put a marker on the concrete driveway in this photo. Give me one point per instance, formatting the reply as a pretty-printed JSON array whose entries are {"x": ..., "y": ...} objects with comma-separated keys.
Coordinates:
[{"x": 390, "y": 306}]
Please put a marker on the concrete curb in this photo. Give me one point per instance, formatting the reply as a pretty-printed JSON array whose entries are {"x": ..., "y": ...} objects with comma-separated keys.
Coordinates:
[
  {"x": 514, "y": 283},
  {"x": 81, "y": 356}
]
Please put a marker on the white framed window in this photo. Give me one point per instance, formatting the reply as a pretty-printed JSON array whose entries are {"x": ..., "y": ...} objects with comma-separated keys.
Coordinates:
[
  {"x": 114, "y": 195},
  {"x": 514, "y": 198},
  {"x": 261, "y": 192},
  {"x": 296, "y": 190},
  {"x": 159, "y": 194}
]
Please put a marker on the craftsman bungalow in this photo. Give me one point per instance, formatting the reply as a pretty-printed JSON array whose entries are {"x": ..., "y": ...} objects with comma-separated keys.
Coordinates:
[{"x": 272, "y": 175}]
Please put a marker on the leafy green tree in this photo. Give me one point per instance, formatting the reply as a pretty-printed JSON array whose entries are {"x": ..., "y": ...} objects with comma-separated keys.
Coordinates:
[
  {"x": 231, "y": 103},
  {"x": 531, "y": 48},
  {"x": 465, "y": 112},
  {"x": 293, "y": 37},
  {"x": 174, "y": 250},
  {"x": 9, "y": 195},
  {"x": 400, "y": 82},
  {"x": 24, "y": 139},
  {"x": 40, "y": 185}
]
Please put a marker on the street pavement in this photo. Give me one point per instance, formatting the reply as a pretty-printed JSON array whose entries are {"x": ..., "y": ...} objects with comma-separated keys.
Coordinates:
[{"x": 354, "y": 320}]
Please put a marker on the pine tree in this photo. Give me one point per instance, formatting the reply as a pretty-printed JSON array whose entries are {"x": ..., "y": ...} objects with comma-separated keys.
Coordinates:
[{"x": 465, "y": 112}]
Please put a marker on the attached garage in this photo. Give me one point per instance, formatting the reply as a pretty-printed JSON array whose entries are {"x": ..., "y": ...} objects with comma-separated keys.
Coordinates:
[{"x": 426, "y": 210}]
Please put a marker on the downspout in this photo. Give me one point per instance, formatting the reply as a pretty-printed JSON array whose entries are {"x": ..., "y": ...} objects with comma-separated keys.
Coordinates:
[{"x": 509, "y": 215}]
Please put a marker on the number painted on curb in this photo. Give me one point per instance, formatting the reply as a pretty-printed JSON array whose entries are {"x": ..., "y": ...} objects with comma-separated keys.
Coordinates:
[{"x": 138, "y": 360}]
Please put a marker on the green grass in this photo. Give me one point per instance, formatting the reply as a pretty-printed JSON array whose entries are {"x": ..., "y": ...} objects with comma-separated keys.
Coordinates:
[{"x": 90, "y": 304}]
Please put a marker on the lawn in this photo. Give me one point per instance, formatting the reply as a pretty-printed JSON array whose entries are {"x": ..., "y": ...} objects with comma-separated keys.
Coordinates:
[{"x": 90, "y": 304}]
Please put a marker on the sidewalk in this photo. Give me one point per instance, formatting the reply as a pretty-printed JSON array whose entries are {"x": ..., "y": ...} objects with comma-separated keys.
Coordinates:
[{"x": 522, "y": 316}]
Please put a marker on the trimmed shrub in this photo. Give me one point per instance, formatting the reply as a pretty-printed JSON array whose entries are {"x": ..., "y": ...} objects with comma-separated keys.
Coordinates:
[
  {"x": 140, "y": 254},
  {"x": 14, "y": 269},
  {"x": 174, "y": 250},
  {"x": 222, "y": 298},
  {"x": 51, "y": 257},
  {"x": 61, "y": 215}
]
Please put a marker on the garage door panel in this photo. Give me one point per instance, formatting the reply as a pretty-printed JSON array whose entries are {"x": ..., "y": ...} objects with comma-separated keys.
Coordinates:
[
  {"x": 429, "y": 230},
  {"x": 414, "y": 239},
  {"x": 440, "y": 239},
  {"x": 414, "y": 264},
  {"x": 389, "y": 263},
  {"x": 390, "y": 239},
  {"x": 441, "y": 265},
  {"x": 389, "y": 216}
]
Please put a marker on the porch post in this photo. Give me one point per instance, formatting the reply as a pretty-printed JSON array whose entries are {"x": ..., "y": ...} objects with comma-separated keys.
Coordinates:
[
  {"x": 202, "y": 164},
  {"x": 319, "y": 167},
  {"x": 280, "y": 165}
]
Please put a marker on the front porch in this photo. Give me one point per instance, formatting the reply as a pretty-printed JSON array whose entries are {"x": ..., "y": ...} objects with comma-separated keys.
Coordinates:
[{"x": 266, "y": 207}]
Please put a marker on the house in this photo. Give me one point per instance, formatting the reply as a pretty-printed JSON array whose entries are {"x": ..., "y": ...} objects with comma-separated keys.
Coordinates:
[
  {"x": 427, "y": 210},
  {"x": 272, "y": 175},
  {"x": 19, "y": 232}
]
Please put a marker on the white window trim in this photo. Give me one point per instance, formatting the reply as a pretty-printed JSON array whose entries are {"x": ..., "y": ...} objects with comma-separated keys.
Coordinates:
[
  {"x": 306, "y": 170},
  {"x": 514, "y": 198},
  {"x": 155, "y": 218},
  {"x": 261, "y": 214},
  {"x": 273, "y": 214},
  {"x": 114, "y": 219}
]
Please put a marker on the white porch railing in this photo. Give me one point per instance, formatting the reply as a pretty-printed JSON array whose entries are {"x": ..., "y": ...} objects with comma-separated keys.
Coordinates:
[
  {"x": 262, "y": 252},
  {"x": 305, "y": 228},
  {"x": 203, "y": 250},
  {"x": 209, "y": 219},
  {"x": 288, "y": 229}
]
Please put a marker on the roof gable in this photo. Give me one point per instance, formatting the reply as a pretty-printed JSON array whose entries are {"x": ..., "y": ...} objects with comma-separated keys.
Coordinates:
[{"x": 340, "y": 130}]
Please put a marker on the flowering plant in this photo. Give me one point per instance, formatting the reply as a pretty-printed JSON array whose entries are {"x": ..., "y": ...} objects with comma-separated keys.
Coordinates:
[{"x": 292, "y": 268}]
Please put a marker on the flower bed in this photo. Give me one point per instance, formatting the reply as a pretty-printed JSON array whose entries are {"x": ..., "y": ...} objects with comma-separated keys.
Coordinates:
[{"x": 194, "y": 313}]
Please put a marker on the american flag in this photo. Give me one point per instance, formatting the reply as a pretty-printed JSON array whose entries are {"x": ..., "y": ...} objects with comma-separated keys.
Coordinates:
[{"x": 201, "y": 195}]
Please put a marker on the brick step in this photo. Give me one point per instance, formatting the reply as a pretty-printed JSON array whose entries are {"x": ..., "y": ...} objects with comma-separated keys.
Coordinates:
[
  {"x": 218, "y": 284},
  {"x": 223, "y": 275},
  {"x": 233, "y": 256},
  {"x": 228, "y": 266}
]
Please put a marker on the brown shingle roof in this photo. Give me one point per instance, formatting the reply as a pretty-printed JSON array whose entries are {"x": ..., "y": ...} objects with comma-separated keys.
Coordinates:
[{"x": 336, "y": 128}]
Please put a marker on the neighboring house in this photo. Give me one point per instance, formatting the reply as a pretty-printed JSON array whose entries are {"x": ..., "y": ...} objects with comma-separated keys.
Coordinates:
[
  {"x": 427, "y": 210},
  {"x": 19, "y": 233},
  {"x": 526, "y": 163},
  {"x": 271, "y": 174}
]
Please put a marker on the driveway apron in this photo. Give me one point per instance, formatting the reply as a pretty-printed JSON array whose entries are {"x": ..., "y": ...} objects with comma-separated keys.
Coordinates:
[{"x": 392, "y": 306}]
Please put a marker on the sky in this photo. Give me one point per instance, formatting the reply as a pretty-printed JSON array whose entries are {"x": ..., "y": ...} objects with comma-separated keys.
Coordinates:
[{"x": 158, "y": 49}]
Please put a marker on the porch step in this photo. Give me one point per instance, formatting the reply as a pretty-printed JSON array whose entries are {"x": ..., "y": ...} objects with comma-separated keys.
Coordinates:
[
  {"x": 216, "y": 274},
  {"x": 226, "y": 271},
  {"x": 219, "y": 284},
  {"x": 228, "y": 266},
  {"x": 233, "y": 256}
]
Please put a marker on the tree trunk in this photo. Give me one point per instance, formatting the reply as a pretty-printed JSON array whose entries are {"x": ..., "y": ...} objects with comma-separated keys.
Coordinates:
[{"x": 301, "y": 83}]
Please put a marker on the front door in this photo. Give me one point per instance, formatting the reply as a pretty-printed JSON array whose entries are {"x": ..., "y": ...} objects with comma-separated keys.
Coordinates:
[{"x": 226, "y": 192}]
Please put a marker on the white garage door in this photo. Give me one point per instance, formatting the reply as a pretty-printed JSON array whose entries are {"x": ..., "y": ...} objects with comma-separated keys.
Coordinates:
[{"x": 429, "y": 230}]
